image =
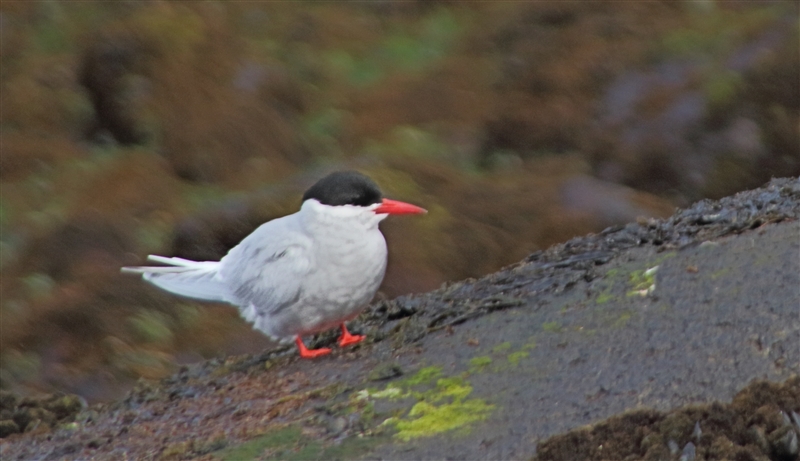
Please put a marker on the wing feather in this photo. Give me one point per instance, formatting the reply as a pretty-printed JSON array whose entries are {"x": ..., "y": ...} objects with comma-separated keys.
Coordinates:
[{"x": 266, "y": 270}]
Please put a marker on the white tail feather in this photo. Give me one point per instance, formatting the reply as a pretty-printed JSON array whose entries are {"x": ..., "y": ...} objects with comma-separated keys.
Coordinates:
[{"x": 183, "y": 277}]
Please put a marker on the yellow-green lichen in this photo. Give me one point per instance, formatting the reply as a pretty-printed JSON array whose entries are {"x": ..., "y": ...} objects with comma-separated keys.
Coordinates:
[
  {"x": 720, "y": 273},
  {"x": 290, "y": 444},
  {"x": 502, "y": 347},
  {"x": 388, "y": 393},
  {"x": 454, "y": 387},
  {"x": 515, "y": 357},
  {"x": 427, "y": 374},
  {"x": 603, "y": 297},
  {"x": 479, "y": 363},
  {"x": 552, "y": 327},
  {"x": 643, "y": 282},
  {"x": 640, "y": 282},
  {"x": 444, "y": 407},
  {"x": 622, "y": 320},
  {"x": 606, "y": 286},
  {"x": 428, "y": 417}
]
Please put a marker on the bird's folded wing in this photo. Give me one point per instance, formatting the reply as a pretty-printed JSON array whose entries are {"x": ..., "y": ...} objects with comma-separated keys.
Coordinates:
[{"x": 267, "y": 269}]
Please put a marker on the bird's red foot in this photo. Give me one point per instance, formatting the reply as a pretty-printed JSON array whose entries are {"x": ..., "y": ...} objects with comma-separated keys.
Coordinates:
[
  {"x": 347, "y": 339},
  {"x": 310, "y": 353}
]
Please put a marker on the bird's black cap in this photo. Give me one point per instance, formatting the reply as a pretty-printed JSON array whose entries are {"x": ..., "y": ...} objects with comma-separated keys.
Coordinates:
[{"x": 344, "y": 188}]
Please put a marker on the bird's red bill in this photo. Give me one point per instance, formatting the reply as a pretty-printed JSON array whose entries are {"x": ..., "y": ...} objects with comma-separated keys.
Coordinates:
[{"x": 396, "y": 207}]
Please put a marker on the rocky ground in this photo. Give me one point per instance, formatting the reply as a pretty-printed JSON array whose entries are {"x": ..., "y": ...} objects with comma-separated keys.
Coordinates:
[
  {"x": 686, "y": 329},
  {"x": 176, "y": 128}
]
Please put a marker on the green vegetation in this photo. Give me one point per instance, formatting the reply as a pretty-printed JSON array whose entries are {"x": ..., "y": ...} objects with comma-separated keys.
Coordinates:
[
  {"x": 502, "y": 347},
  {"x": 151, "y": 326},
  {"x": 409, "y": 48},
  {"x": 240, "y": 104},
  {"x": 426, "y": 420},
  {"x": 479, "y": 363},
  {"x": 442, "y": 403},
  {"x": 643, "y": 282},
  {"x": 515, "y": 357},
  {"x": 640, "y": 282},
  {"x": 289, "y": 443},
  {"x": 551, "y": 327}
]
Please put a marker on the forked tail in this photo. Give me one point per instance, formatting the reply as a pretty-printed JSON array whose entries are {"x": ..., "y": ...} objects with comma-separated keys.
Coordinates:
[{"x": 193, "y": 279}]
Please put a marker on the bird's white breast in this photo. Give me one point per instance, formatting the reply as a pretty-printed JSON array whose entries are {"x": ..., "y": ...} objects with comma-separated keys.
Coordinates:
[
  {"x": 343, "y": 254},
  {"x": 348, "y": 267}
]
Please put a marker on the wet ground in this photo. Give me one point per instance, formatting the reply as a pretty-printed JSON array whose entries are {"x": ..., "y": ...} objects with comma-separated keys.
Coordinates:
[{"x": 640, "y": 320}]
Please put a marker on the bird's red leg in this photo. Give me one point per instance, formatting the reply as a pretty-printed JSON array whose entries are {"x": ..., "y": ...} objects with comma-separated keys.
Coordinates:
[
  {"x": 309, "y": 353},
  {"x": 347, "y": 339}
]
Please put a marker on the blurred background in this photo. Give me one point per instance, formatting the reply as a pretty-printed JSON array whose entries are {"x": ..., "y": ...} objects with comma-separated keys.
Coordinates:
[{"x": 176, "y": 128}]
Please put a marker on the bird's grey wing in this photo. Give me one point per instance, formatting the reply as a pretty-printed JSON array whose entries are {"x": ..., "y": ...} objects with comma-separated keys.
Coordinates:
[{"x": 266, "y": 270}]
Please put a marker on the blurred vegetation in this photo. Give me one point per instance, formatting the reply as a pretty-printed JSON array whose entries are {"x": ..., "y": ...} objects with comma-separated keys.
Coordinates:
[{"x": 176, "y": 128}]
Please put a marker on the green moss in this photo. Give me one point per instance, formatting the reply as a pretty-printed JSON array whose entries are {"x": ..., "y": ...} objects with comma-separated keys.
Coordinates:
[
  {"x": 515, "y": 357},
  {"x": 454, "y": 387},
  {"x": 427, "y": 418},
  {"x": 285, "y": 439},
  {"x": 606, "y": 284},
  {"x": 443, "y": 407},
  {"x": 717, "y": 274},
  {"x": 502, "y": 347},
  {"x": 290, "y": 444},
  {"x": 425, "y": 375},
  {"x": 604, "y": 297},
  {"x": 479, "y": 363},
  {"x": 623, "y": 320},
  {"x": 402, "y": 388},
  {"x": 388, "y": 393},
  {"x": 643, "y": 282},
  {"x": 552, "y": 327}
]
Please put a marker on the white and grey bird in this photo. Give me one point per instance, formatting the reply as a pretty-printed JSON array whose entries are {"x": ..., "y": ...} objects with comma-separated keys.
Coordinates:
[{"x": 303, "y": 273}]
